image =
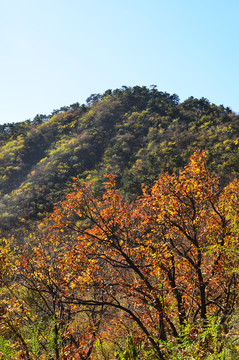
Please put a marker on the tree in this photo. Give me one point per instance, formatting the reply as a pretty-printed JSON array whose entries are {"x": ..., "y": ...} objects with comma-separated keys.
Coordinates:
[
  {"x": 159, "y": 263},
  {"x": 196, "y": 243}
]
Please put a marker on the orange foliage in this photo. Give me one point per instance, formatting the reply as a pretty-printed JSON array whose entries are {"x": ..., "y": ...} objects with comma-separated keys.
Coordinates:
[{"x": 162, "y": 261}]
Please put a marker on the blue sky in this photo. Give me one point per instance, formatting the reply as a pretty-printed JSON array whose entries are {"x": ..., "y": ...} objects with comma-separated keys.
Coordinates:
[{"x": 57, "y": 52}]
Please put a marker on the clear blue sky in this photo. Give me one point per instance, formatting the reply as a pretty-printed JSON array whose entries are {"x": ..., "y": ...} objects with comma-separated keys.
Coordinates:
[{"x": 57, "y": 52}]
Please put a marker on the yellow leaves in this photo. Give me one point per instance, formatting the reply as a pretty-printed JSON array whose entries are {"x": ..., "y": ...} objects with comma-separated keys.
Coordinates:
[
  {"x": 6, "y": 258},
  {"x": 72, "y": 285},
  {"x": 43, "y": 160}
]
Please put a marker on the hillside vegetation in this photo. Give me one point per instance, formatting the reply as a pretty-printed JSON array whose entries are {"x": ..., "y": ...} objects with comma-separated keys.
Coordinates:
[
  {"x": 135, "y": 133},
  {"x": 119, "y": 230},
  {"x": 102, "y": 277}
]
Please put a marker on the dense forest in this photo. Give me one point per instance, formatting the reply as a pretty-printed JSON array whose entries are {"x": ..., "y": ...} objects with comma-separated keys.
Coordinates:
[{"x": 119, "y": 230}]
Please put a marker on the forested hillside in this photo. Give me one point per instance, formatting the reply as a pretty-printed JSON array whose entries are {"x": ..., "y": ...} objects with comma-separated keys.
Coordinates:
[
  {"x": 119, "y": 230},
  {"x": 135, "y": 133}
]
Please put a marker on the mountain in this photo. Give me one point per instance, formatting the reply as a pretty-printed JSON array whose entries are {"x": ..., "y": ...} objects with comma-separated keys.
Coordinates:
[{"x": 135, "y": 133}]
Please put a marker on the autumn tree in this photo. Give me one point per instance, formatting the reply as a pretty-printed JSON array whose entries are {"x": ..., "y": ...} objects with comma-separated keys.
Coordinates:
[
  {"x": 161, "y": 263},
  {"x": 195, "y": 246}
]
